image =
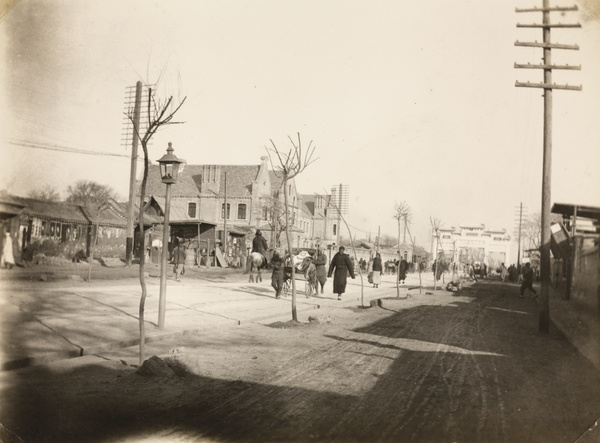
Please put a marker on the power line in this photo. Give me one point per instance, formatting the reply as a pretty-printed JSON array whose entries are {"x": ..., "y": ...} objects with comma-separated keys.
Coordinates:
[{"x": 59, "y": 148}]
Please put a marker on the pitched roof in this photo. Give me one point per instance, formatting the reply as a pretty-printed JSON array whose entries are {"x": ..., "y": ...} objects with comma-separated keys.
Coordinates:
[
  {"x": 9, "y": 205},
  {"x": 189, "y": 182},
  {"x": 53, "y": 211},
  {"x": 69, "y": 213}
]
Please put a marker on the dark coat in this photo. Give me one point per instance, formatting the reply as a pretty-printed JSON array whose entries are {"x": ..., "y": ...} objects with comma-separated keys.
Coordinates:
[
  {"x": 342, "y": 265},
  {"x": 320, "y": 261},
  {"x": 377, "y": 267},
  {"x": 179, "y": 255},
  {"x": 259, "y": 244}
]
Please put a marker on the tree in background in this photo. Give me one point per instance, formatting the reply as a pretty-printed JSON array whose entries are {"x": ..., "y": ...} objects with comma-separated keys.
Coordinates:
[
  {"x": 158, "y": 113},
  {"x": 290, "y": 165},
  {"x": 89, "y": 193},
  {"x": 402, "y": 213},
  {"x": 48, "y": 195},
  {"x": 275, "y": 218}
]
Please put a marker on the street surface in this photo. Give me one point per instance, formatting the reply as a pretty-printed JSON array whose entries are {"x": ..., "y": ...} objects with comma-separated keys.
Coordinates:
[{"x": 429, "y": 367}]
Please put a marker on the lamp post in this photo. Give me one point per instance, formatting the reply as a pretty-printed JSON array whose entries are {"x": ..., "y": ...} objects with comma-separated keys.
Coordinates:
[{"x": 169, "y": 170}]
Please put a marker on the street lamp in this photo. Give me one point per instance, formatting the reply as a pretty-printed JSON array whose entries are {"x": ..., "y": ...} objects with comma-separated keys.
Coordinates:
[{"x": 169, "y": 170}]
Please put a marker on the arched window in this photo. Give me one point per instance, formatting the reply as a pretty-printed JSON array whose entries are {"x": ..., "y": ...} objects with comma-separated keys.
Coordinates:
[
  {"x": 265, "y": 213},
  {"x": 334, "y": 229},
  {"x": 223, "y": 211},
  {"x": 192, "y": 210},
  {"x": 241, "y": 215}
]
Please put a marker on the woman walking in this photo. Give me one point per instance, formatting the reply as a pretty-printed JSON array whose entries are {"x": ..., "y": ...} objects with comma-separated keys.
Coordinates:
[{"x": 377, "y": 270}]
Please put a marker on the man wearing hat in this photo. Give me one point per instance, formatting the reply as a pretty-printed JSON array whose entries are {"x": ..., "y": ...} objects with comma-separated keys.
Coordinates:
[
  {"x": 259, "y": 244},
  {"x": 342, "y": 265}
]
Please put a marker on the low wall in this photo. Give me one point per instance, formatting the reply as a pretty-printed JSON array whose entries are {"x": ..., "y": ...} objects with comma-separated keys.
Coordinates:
[{"x": 586, "y": 275}]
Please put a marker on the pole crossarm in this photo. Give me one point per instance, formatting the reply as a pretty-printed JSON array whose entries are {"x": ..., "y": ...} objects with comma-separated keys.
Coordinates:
[
  {"x": 547, "y": 45},
  {"x": 549, "y": 25},
  {"x": 530, "y": 66},
  {"x": 547, "y": 86},
  {"x": 556, "y": 8}
]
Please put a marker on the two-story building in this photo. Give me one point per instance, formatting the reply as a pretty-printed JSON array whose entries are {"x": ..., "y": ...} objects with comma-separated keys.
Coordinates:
[{"x": 224, "y": 205}]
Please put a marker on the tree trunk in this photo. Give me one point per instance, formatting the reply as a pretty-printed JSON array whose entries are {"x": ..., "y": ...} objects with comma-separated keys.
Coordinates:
[
  {"x": 289, "y": 246},
  {"x": 399, "y": 261}
]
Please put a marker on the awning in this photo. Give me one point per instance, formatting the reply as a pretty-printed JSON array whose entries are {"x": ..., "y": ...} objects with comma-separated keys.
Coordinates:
[{"x": 592, "y": 212}]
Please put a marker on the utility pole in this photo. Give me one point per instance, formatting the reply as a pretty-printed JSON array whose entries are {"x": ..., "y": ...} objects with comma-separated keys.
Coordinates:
[
  {"x": 547, "y": 86},
  {"x": 519, "y": 234},
  {"x": 133, "y": 174},
  {"x": 225, "y": 243}
]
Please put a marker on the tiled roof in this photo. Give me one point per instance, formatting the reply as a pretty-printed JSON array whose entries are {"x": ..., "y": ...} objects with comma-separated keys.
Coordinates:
[
  {"x": 189, "y": 183},
  {"x": 53, "y": 211},
  {"x": 69, "y": 213},
  {"x": 185, "y": 186}
]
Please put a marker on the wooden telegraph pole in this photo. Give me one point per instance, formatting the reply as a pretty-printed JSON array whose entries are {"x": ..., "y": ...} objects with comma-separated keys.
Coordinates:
[
  {"x": 547, "y": 86},
  {"x": 519, "y": 234},
  {"x": 133, "y": 174}
]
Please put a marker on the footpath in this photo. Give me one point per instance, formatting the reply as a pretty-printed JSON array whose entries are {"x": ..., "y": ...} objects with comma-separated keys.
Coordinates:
[
  {"x": 48, "y": 319},
  {"x": 48, "y": 315}
]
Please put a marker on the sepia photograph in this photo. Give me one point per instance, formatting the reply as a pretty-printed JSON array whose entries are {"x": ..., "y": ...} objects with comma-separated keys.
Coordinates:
[{"x": 300, "y": 221}]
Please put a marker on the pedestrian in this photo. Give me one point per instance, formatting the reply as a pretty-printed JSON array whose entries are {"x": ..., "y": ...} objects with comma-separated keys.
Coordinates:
[
  {"x": 341, "y": 264},
  {"x": 503, "y": 272},
  {"x": 528, "y": 281},
  {"x": 259, "y": 244},
  {"x": 320, "y": 261},
  {"x": 178, "y": 259},
  {"x": 277, "y": 276},
  {"x": 8, "y": 258},
  {"x": 377, "y": 270},
  {"x": 402, "y": 268}
]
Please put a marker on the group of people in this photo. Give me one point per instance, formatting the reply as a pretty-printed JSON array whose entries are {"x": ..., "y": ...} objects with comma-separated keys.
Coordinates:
[
  {"x": 340, "y": 267},
  {"x": 525, "y": 276}
]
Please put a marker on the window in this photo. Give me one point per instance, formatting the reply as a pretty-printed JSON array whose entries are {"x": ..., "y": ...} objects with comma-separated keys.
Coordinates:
[
  {"x": 334, "y": 229},
  {"x": 192, "y": 210},
  {"x": 228, "y": 211},
  {"x": 241, "y": 211},
  {"x": 265, "y": 213}
]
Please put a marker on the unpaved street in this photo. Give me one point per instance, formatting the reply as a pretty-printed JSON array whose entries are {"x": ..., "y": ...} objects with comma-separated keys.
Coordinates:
[{"x": 431, "y": 368}]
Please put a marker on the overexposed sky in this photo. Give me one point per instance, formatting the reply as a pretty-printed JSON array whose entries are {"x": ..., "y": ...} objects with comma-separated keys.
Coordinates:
[{"x": 404, "y": 101}]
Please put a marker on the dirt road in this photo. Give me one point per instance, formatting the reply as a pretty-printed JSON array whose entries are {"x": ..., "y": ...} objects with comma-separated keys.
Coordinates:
[{"x": 431, "y": 368}]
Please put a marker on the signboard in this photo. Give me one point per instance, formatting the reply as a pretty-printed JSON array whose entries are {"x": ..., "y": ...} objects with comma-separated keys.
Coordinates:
[{"x": 559, "y": 241}]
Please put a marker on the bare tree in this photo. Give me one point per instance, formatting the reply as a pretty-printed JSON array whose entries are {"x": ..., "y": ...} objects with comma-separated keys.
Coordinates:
[
  {"x": 276, "y": 219},
  {"x": 403, "y": 212},
  {"x": 99, "y": 208},
  {"x": 351, "y": 244},
  {"x": 89, "y": 193},
  {"x": 290, "y": 165},
  {"x": 159, "y": 113},
  {"x": 440, "y": 261},
  {"x": 48, "y": 195}
]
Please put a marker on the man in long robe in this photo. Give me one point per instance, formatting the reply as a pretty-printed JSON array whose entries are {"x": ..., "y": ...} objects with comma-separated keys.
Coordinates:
[{"x": 342, "y": 265}]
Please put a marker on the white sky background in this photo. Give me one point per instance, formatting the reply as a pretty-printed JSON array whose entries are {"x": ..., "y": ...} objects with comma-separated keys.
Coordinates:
[{"x": 404, "y": 102}]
